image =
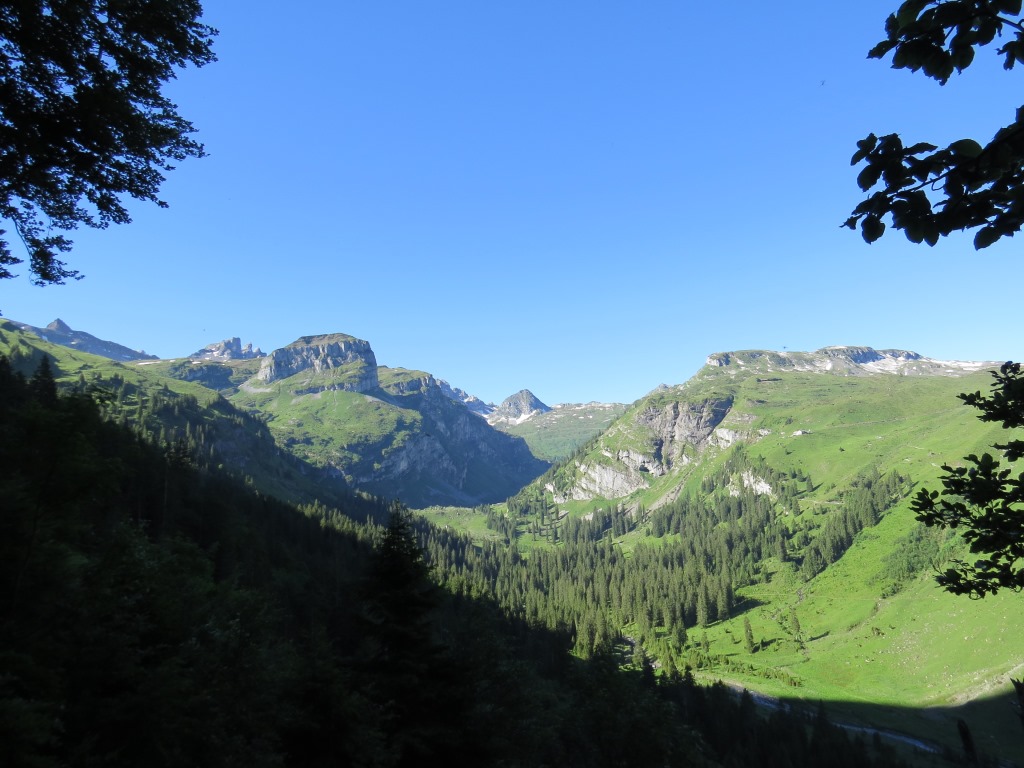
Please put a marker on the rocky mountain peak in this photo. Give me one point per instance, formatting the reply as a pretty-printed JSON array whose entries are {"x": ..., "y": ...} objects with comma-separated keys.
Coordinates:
[
  {"x": 229, "y": 349},
  {"x": 59, "y": 332},
  {"x": 517, "y": 408}
]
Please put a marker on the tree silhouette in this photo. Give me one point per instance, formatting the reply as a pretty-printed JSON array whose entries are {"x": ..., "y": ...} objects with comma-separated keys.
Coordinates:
[
  {"x": 985, "y": 499},
  {"x": 83, "y": 120},
  {"x": 927, "y": 191}
]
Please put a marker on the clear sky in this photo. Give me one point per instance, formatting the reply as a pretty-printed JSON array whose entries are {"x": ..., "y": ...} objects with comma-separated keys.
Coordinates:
[{"x": 584, "y": 199}]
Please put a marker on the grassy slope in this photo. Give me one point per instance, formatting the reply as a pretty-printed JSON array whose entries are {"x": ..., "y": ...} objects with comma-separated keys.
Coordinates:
[
  {"x": 554, "y": 435},
  {"x": 242, "y": 441},
  {"x": 921, "y": 648},
  {"x": 308, "y": 424},
  {"x": 25, "y": 350},
  {"x": 916, "y": 660}
]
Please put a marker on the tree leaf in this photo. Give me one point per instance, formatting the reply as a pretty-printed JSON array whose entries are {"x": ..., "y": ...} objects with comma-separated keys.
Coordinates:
[
  {"x": 966, "y": 148},
  {"x": 871, "y": 228},
  {"x": 881, "y": 49},
  {"x": 914, "y": 231},
  {"x": 908, "y": 13},
  {"x": 962, "y": 57},
  {"x": 869, "y": 176},
  {"x": 985, "y": 237},
  {"x": 864, "y": 146}
]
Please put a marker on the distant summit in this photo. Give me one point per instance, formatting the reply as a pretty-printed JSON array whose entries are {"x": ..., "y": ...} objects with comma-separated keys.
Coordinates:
[
  {"x": 229, "y": 349},
  {"x": 843, "y": 360},
  {"x": 517, "y": 408},
  {"x": 59, "y": 332}
]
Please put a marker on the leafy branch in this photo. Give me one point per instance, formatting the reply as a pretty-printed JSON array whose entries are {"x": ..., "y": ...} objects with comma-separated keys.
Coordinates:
[
  {"x": 985, "y": 499},
  {"x": 930, "y": 192}
]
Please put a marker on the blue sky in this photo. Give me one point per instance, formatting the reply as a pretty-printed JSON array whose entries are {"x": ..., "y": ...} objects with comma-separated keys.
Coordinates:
[{"x": 584, "y": 199}]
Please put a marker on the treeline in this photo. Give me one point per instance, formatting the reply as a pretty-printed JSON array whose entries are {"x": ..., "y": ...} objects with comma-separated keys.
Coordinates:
[
  {"x": 869, "y": 496},
  {"x": 154, "y": 611},
  {"x": 211, "y": 431}
]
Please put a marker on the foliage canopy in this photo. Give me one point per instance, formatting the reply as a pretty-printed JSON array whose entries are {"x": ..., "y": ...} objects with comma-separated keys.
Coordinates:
[
  {"x": 985, "y": 498},
  {"x": 927, "y": 191},
  {"x": 83, "y": 120}
]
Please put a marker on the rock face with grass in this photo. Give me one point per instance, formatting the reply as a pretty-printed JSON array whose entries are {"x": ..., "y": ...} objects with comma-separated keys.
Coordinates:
[
  {"x": 335, "y": 361},
  {"x": 451, "y": 455},
  {"x": 389, "y": 431},
  {"x": 656, "y": 441},
  {"x": 846, "y": 360}
]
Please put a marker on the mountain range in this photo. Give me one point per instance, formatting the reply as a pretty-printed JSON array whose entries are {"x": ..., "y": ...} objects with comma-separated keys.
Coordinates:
[
  {"x": 386, "y": 431},
  {"x": 837, "y": 591}
]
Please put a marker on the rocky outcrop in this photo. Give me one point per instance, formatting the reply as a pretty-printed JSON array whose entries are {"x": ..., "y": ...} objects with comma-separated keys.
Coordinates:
[
  {"x": 842, "y": 360},
  {"x": 472, "y": 402},
  {"x": 666, "y": 435},
  {"x": 229, "y": 349},
  {"x": 59, "y": 332},
  {"x": 628, "y": 471},
  {"x": 340, "y": 361},
  {"x": 680, "y": 427},
  {"x": 427, "y": 384}
]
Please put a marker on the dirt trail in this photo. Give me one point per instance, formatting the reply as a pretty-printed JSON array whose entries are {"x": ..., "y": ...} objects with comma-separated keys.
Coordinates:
[{"x": 772, "y": 702}]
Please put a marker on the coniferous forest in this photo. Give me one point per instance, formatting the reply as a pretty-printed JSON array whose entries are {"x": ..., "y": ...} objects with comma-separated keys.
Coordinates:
[{"x": 159, "y": 612}]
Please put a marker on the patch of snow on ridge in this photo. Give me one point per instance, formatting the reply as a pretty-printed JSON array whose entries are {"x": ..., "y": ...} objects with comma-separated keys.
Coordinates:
[
  {"x": 885, "y": 365},
  {"x": 900, "y": 365}
]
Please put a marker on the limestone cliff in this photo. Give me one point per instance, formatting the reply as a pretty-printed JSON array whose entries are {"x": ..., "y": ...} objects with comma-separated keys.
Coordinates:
[
  {"x": 332, "y": 361},
  {"x": 653, "y": 439},
  {"x": 673, "y": 427}
]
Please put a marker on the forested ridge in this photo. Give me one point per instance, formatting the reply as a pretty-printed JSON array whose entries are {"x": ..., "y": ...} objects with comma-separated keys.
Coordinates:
[
  {"x": 158, "y": 612},
  {"x": 684, "y": 575}
]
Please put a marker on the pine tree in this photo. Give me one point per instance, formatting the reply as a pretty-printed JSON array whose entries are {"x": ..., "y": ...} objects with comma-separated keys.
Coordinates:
[
  {"x": 42, "y": 385},
  {"x": 748, "y": 635}
]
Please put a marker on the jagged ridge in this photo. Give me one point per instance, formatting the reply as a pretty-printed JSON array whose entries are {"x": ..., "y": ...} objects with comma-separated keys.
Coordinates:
[{"x": 59, "y": 332}]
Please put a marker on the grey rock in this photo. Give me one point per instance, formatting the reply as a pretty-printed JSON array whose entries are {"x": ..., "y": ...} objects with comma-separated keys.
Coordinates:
[{"x": 229, "y": 349}]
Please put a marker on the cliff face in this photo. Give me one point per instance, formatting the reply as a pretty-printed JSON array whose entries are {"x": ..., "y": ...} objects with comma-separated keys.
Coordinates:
[
  {"x": 455, "y": 457},
  {"x": 660, "y": 436},
  {"x": 342, "y": 362}
]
